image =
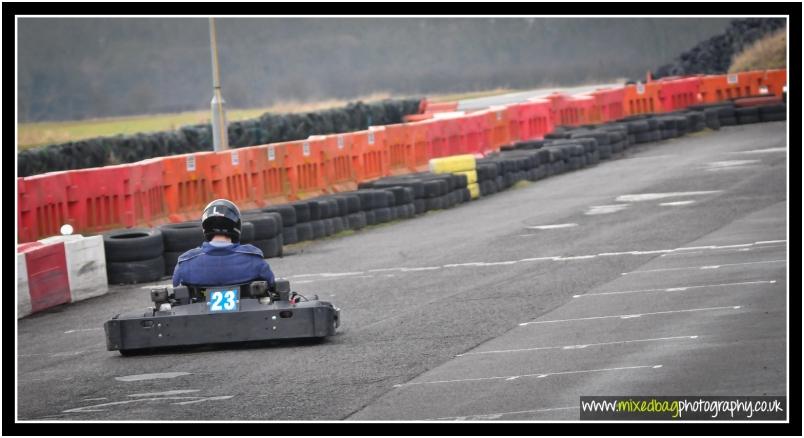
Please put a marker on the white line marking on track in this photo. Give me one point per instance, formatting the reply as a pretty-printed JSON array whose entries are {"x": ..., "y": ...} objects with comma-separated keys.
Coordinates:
[
  {"x": 676, "y": 203},
  {"x": 605, "y": 209},
  {"x": 95, "y": 408},
  {"x": 551, "y": 227},
  {"x": 479, "y": 417},
  {"x": 656, "y": 196},
  {"x": 672, "y": 289},
  {"x": 219, "y": 397},
  {"x": 769, "y": 241},
  {"x": 575, "y": 347},
  {"x": 703, "y": 267},
  {"x": 138, "y": 377},
  {"x": 762, "y": 151},
  {"x": 355, "y": 275},
  {"x": 173, "y": 392},
  {"x": 83, "y": 330},
  {"x": 537, "y": 375},
  {"x": 627, "y": 316}
]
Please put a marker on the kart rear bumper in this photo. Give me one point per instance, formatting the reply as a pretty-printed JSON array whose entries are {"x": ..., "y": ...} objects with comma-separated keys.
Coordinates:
[{"x": 193, "y": 324}]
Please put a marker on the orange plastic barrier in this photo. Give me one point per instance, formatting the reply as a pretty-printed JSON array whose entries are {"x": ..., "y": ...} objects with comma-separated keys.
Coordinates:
[
  {"x": 230, "y": 178},
  {"x": 48, "y": 282},
  {"x": 441, "y": 107},
  {"x": 571, "y": 110},
  {"x": 416, "y": 117},
  {"x": 337, "y": 160},
  {"x": 775, "y": 80},
  {"x": 497, "y": 120},
  {"x": 421, "y": 145},
  {"x": 641, "y": 98},
  {"x": 399, "y": 141},
  {"x": 42, "y": 205},
  {"x": 608, "y": 105},
  {"x": 305, "y": 169},
  {"x": 717, "y": 88},
  {"x": 369, "y": 155},
  {"x": 267, "y": 174},
  {"x": 187, "y": 184}
]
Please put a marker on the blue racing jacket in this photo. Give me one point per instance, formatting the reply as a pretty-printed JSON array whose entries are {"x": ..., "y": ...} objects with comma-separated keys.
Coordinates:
[{"x": 212, "y": 265}]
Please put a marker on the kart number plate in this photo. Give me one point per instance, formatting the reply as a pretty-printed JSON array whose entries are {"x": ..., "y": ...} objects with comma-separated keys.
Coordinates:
[{"x": 223, "y": 300}]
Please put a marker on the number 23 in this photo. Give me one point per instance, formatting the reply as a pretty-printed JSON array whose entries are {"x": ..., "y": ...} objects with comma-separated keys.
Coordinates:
[{"x": 228, "y": 299}]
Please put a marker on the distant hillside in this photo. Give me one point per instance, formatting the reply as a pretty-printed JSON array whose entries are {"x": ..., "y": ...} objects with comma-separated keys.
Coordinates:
[
  {"x": 768, "y": 53},
  {"x": 75, "y": 68}
]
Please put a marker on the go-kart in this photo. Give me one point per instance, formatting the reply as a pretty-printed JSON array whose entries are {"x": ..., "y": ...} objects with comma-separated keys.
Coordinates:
[{"x": 195, "y": 315}]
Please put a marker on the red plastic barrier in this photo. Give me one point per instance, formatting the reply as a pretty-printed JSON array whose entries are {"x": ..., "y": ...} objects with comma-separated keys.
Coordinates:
[
  {"x": 537, "y": 119},
  {"x": 474, "y": 133},
  {"x": 42, "y": 205},
  {"x": 187, "y": 184},
  {"x": 454, "y": 131},
  {"x": 436, "y": 138},
  {"x": 48, "y": 281},
  {"x": 100, "y": 199},
  {"x": 678, "y": 94},
  {"x": 517, "y": 121},
  {"x": 369, "y": 154},
  {"x": 267, "y": 174},
  {"x": 147, "y": 192}
]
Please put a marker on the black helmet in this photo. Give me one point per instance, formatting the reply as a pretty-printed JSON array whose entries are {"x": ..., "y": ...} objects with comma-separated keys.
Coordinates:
[{"x": 221, "y": 216}]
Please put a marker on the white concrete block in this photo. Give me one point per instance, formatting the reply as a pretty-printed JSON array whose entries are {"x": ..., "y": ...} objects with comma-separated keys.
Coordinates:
[
  {"x": 23, "y": 294},
  {"x": 86, "y": 267}
]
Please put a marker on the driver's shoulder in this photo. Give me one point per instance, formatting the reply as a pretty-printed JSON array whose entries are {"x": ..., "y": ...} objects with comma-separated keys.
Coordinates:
[
  {"x": 195, "y": 252},
  {"x": 248, "y": 249}
]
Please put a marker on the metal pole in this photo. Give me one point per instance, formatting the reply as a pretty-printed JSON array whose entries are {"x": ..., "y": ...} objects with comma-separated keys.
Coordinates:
[{"x": 219, "y": 132}]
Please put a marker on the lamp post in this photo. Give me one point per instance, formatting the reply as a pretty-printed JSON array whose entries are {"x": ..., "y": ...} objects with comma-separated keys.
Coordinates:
[{"x": 220, "y": 136}]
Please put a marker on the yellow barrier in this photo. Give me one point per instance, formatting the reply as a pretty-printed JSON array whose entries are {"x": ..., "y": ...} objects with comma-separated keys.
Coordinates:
[
  {"x": 455, "y": 163},
  {"x": 474, "y": 189}
]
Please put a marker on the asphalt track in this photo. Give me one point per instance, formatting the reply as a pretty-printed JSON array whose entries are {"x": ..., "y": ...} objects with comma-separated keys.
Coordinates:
[{"x": 506, "y": 308}]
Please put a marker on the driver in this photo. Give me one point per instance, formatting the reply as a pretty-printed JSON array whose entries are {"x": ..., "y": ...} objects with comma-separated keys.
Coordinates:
[{"x": 222, "y": 260}]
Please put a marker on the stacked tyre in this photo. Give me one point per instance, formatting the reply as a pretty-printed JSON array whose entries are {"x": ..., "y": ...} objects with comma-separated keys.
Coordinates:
[
  {"x": 267, "y": 231},
  {"x": 773, "y": 113},
  {"x": 134, "y": 255},
  {"x": 288, "y": 214},
  {"x": 179, "y": 238}
]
